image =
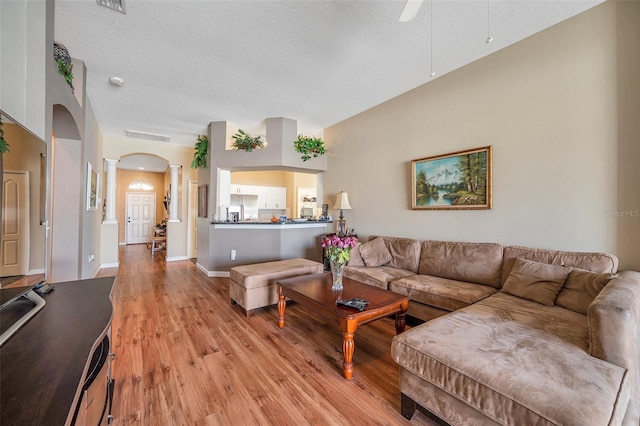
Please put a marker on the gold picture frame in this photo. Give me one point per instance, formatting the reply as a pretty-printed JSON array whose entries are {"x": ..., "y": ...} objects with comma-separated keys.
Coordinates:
[{"x": 460, "y": 180}]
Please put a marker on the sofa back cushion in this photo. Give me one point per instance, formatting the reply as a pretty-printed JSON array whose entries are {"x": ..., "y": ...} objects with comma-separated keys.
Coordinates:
[
  {"x": 405, "y": 252},
  {"x": 580, "y": 288},
  {"x": 594, "y": 262},
  {"x": 535, "y": 281},
  {"x": 354, "y": 256},
  {"x": 479, "y": 263},
  {"x": 375, "y": 253}
]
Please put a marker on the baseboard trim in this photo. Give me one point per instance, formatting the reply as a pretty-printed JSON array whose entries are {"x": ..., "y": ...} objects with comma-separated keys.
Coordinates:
[
  {"x": 35, "y": 271},
  {"x": 110, "y": 265},
  {"x": 122, "y": 244},
  {"x": 213, "y": 274},
  {"x": 175, "y": 258}
]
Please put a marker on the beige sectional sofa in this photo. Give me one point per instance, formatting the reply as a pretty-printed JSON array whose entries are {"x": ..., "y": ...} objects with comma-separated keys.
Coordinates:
[{"x": 514, "y": 335}]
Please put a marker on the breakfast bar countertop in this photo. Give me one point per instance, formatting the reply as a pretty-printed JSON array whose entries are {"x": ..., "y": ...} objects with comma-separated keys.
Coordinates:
[{"x": 272, "y": 225}]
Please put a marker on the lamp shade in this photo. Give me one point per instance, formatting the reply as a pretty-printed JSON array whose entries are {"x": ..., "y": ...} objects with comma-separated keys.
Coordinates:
[{"x": 342, "y": 202}]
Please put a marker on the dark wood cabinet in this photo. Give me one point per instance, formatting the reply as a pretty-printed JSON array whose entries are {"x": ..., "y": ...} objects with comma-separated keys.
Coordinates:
[{"x": 58, "y": 364}]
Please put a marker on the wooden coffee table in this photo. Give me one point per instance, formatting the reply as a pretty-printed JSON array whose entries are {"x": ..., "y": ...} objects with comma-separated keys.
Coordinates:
[{"x": 314, "y": 292}]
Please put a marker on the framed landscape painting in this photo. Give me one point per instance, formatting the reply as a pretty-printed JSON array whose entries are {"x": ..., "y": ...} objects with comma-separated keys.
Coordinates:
[{"x": 457, "y": 181}]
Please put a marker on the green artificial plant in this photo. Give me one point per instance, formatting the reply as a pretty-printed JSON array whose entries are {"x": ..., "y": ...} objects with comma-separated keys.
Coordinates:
[
  {"x": 309, "y": 146},
  {"x": 200, "y": 156},
  {"x": 241, "y": 140},
  {"x": 4, "y": 146},
  {"x": 66, "y": 70}
]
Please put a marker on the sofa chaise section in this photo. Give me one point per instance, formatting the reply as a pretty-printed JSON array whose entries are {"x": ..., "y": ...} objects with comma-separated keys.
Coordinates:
[
  {"x": 514, "y": 362},
  {"x": 511, "y": 359}
]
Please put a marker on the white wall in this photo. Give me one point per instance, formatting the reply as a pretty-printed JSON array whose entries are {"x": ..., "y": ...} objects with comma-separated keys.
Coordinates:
[
  {"x": 23, "y": 36},
  {"x": 548, "y": 105}
]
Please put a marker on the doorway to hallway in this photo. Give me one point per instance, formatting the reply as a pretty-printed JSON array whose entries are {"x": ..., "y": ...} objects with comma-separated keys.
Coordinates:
[{"x": 141, "y": 217}]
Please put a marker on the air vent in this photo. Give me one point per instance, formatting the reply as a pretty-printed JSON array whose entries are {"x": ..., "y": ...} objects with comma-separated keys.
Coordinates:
[
  {"x": 113, "y": 4},
  {"x": 149, "y": 136}
]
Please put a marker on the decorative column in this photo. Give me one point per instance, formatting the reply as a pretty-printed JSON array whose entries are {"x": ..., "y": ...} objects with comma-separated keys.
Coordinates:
[
  {"x": 173, "y": 206},
  {"x": 110, "y": 213}
]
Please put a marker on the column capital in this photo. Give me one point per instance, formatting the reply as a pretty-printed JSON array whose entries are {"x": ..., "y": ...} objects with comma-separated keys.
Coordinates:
[{"x": 111, "y": 160}]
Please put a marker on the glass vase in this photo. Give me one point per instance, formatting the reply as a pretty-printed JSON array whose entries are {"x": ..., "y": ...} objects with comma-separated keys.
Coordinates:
[{"x": 336, "y": 270}]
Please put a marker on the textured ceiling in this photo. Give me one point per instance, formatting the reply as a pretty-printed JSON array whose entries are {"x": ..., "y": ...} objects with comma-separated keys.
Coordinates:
[{"x": 187, "y": 63}]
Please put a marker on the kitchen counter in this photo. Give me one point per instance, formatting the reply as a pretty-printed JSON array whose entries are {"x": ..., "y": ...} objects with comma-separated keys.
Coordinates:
[{"x": 271, "y": 225}]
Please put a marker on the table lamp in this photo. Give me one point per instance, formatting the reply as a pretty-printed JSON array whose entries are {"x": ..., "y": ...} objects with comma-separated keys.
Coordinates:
[{"x": 342, "y": 203}]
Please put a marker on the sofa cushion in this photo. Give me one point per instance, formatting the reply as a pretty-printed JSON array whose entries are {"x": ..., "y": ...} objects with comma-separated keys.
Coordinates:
[
  {"x": 378, "y": 276},
  {"x": 375, "y": 253},
  {"x": 479, "y": 263},
  {"x": 354, "y": 256},
  {"x": 535, "y": 281},
  {"x": 594, "y": 262},
  {"x": 405, "y": 252},
  {"x": 439, "y": 292},
  {"x": 580, "y": 288},
  {"x": 517, "y": 362}
]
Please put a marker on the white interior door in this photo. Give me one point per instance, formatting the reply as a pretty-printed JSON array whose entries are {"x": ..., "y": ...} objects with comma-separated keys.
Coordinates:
[
  {"x": 141, "y": 217},
  {"x": 192, "y": 226},
  {"x": 15, "y": 224}
]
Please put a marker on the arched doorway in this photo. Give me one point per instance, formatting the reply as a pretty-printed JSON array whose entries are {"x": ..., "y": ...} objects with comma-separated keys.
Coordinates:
[{"x": 142, "y": 190}]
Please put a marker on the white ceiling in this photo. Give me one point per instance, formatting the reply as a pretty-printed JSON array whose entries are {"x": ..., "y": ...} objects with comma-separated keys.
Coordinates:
[{"x": 187, "y": 63}]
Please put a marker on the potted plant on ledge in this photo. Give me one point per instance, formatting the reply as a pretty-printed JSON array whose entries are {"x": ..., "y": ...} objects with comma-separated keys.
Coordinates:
[
  {"x": 63, "y": 60},
  {"x": 200, "y": 156},
  {"x": 243, "y": 141},
  {"x": 309, "y": 146}
]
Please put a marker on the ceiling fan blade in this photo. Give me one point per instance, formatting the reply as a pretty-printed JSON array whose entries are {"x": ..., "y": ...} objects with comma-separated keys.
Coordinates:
[{"x": 410, "y": 10}]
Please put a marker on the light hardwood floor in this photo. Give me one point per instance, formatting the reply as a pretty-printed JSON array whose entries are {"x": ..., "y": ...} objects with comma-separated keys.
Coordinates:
[{"x": 185, "y": 356}]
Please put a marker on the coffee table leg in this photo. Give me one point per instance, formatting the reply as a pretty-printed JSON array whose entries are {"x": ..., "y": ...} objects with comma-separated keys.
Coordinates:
[
  {"x": 348, "y": 346},
  {"x": 282, "y": 304},
  {"x": 400, "y": 322}
]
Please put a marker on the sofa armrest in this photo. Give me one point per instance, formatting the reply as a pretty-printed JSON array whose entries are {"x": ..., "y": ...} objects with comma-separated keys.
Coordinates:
[{"x": 614, "y": 326}]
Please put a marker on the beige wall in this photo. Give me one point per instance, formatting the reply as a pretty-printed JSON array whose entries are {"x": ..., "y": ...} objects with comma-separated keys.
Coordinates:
[
  {"x": 24, "y": 155},
  {"x": 549, "y": 105},
  {"x": 628, "y": 134},
  {"x": 263, "y": 178}
]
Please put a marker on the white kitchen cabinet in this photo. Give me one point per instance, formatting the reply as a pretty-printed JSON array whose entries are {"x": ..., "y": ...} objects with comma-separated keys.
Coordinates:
[
  {"x": 261, "y": 191},
  {"x": 276, "y": 197},
  {"x": 269, "y": 197},
  {"x": 243, "y": 189}
]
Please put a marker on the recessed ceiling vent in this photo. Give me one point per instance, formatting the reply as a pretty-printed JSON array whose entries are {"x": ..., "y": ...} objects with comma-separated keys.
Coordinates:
[
  {"x": 148, "y": 136},
  {"x": 113, "y": 4}
]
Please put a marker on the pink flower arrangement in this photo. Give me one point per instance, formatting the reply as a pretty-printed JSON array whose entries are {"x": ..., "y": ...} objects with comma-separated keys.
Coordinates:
[{"x": 337, "y": 248}]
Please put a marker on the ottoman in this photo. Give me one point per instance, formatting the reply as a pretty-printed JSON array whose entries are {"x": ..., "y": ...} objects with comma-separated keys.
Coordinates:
[{"x": 254, "y": 286}]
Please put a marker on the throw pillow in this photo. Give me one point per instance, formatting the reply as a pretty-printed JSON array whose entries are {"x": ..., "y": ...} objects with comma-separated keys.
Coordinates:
[
  {"x": 354, "y": 256},
  {"x": 580, "y": 289},
  {"x": 538, "y": 282},
  {"x": 375, "y": 253}
]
